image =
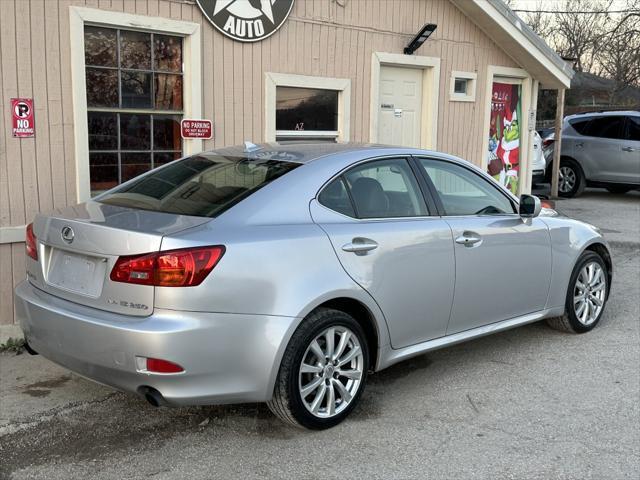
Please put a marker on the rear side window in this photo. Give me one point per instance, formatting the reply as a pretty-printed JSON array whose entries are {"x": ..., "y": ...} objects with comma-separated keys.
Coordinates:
[
  {"x": 204, "y": 185},
  {"x": 633, "y": 129},
  {"x": 336, "y": 197},
  {"x": 377, "y": 189},
  {"x": 579, "y": 125},
  {"x": 603, "y": 127}
]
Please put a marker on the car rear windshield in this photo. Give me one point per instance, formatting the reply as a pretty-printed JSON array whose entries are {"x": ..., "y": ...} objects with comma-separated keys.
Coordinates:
[{"x": 202, "y": 185}]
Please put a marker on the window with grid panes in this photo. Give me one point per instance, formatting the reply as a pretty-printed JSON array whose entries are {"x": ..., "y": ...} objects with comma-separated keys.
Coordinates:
[{"x": 134, "y": 82}]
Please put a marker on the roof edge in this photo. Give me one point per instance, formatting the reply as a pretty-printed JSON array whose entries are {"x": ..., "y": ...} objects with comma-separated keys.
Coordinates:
[{"x": 500, "y": 15}]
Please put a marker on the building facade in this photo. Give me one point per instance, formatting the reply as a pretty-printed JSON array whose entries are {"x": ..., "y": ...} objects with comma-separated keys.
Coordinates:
[{"x": 110, "y": 81}]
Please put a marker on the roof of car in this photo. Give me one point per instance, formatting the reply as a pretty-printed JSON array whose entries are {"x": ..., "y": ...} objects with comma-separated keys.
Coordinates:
[
  {"x": 603, "y": 113},
  {"x": 296, "y": 152}
]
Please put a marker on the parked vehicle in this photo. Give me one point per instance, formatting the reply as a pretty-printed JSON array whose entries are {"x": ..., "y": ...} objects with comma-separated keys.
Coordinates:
[
  {"x": 285, "y": 274},
  {"x": 545, "y": 132},
  {"x": 599, "y": 150},
  {"x": 539, "y": 164}
]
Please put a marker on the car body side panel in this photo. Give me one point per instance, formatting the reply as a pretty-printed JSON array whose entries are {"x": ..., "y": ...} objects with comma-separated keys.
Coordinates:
[
  {"x": 503, "y": 276},
  {"x": 569, "y": 238},
  {"x": 266, "y": 268},
  {"x": 410, "y": 273}
]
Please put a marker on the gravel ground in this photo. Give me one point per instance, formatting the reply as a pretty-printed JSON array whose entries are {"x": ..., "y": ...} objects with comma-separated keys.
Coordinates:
[{"x": 527, "y": 403}]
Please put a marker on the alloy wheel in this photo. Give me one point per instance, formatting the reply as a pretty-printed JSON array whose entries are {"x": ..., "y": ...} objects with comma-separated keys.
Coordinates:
[
  {"x": 331, "y": 372},
  {"x": 567, "y": 179},
  {"x": 589, "y": 293}
]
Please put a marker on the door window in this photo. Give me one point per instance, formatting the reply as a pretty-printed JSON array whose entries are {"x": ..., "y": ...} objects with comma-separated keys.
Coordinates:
[
  {"x": 463, "y": 192},
  {"x": 336, "y": 197},
  {"x": 605, "y": 127},
  {"x": 633, "y": 129},
  {"x": 379, "y": 189}
]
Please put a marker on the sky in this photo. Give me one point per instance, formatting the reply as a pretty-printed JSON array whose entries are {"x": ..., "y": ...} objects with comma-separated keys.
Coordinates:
[{"x": 532, "y": 4}]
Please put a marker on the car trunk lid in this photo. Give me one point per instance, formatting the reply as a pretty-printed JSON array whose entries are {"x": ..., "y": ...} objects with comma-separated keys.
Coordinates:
[{"x": 79, "y": 245}]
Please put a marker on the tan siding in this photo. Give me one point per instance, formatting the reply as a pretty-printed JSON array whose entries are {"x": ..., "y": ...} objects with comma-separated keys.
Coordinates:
[{"x": 319, "y": 38}]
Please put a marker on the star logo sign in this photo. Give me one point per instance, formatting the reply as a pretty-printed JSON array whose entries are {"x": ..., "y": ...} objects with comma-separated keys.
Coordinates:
[
  {"x": 246, "y": 20},
  {"x": 246, "y": 8}
]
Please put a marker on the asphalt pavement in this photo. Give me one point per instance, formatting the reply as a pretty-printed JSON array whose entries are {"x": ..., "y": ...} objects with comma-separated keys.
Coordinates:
[{"x": 527, "y": 403}]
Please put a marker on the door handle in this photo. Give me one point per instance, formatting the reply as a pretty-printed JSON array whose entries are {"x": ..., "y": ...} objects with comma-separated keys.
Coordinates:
[
  {"x": 579, "y": 144},
  {"x": 360, "y": 246},
  {"x": 627, "y": 149},
  {"x": 468, "y": 239}
]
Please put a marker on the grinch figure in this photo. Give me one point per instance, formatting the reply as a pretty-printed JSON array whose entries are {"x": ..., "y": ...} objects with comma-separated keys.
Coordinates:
[{"x": 504, "y": 163}]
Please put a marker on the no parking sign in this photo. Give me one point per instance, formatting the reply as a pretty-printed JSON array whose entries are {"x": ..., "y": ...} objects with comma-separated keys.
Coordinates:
[{"x": 24, "y": 124}]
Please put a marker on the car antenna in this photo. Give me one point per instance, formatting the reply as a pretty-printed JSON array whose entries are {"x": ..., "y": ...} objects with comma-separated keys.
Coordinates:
[{"x": 250, "y": 147}]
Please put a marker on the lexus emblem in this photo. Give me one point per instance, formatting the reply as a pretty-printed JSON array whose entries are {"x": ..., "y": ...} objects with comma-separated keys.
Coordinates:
[
  {"x": 67, "y": 234},
  {"x": 246, "y": 20}
]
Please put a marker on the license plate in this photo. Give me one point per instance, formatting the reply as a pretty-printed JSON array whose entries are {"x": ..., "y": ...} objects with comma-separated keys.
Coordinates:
[{"x": 76, "y": 273}]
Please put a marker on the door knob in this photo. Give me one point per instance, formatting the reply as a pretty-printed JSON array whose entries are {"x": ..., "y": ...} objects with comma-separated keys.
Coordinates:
[
  {"x": 360, "y": 246},
  {"x": 468, "y": 239},
  {"x": 627, "y": 149}
]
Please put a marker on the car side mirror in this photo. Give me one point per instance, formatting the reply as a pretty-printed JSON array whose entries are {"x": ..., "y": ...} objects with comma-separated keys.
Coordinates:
[{"x": 530, "y": 206}]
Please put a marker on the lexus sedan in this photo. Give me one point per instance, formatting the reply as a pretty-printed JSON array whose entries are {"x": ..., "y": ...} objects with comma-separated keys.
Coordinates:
[{"x": 287, "y": 273}]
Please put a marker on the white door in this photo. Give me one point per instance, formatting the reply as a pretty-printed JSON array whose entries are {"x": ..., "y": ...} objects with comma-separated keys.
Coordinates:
[{"x": 400, "y": 108}]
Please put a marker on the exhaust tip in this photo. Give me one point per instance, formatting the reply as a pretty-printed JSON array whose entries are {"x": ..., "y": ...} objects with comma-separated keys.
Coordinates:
[{"x": 153, "y": 396}]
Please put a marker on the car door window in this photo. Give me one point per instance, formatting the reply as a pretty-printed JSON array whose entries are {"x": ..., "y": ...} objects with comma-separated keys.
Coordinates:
[
  {"x": 335, "y": 197},
  {"x": 385, "y": 189},
  {"x": 633, "y": 129},
  {"x": 463, "y": 192},
  {"x": 605, "y": 127},
  {"x": 580, "y": 125}
]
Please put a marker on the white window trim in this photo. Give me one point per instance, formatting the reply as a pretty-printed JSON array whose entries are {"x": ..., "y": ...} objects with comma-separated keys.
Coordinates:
[
  {"x": 471, "y": 78},
  {"x": 192, "y": 76},
  {"x": 430, "y": 85},
  {"x": 521, "y": 77},
  {"x": 342, "y": 85}
]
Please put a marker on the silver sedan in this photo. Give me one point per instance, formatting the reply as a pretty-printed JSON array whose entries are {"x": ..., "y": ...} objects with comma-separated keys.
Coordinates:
[{"x": 287, "y": 273}]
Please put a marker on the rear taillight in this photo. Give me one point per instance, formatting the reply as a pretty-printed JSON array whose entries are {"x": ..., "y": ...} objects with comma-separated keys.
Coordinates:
[
  {"x": 546, "y": 142},
  {"x": 186, "y": 267},
  {"x": 31, "y": 243}
]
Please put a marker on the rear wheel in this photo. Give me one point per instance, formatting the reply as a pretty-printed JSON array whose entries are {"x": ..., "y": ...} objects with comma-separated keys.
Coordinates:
[
  {"x": 618, "y": 189},
  {"x": 323, "y": 371},
  {"x": 586, "y": 296},
  {"x": 571, "y": 181}
]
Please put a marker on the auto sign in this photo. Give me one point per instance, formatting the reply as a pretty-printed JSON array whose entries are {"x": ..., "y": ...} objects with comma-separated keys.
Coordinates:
[{"x": 246, "y": 20}]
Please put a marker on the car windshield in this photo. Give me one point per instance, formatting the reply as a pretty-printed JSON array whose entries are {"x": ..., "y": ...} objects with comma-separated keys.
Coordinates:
[{"x": 203, "y": 185}]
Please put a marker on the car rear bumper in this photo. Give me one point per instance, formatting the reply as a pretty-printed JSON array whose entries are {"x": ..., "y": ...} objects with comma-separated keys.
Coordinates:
[
  {"x": 227, "y": 358},
  {"x": 537, "y": 176}
]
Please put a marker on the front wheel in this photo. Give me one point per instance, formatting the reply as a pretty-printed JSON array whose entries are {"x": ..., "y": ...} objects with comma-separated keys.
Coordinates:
[
  {"x": 323, "y": 371},
  {"x": 586, "y": 295}
]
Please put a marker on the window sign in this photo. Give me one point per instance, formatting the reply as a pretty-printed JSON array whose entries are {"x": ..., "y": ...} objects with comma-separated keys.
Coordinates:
[
  {"x": 306, "y": 112},
  {"x": 134, "y": 83}
]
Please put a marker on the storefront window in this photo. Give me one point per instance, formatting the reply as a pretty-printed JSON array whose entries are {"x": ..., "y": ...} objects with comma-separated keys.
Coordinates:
[
  {"x": 306, "y": 113},
  {"x": 134, "y": 101}
]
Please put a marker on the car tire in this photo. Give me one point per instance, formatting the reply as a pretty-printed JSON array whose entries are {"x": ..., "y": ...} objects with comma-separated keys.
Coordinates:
[
  {"x": 289, "y": 402},
  {"x": 618, "y": 189},
  {"x": 571, "y": 181},
  {"x": 574, "y": 320}
]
